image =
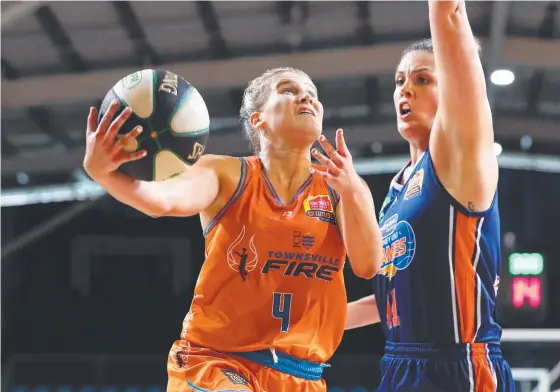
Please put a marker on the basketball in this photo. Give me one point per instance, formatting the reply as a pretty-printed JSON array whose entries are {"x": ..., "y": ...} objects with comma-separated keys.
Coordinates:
[{"x": 174, "y": 118}]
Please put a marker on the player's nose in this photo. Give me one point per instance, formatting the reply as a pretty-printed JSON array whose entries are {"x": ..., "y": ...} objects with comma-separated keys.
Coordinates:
[
  {"x": 407, "y": 91},
  {"x": 305, "y": 98}
]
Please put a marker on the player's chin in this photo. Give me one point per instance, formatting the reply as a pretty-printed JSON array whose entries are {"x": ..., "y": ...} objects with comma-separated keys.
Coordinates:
[
  {"x": 409, "y": 129},
  {"x": 307, "y": 136},
  {"x": 314, "y": 133},
  {"x": 313, "y": 129}
]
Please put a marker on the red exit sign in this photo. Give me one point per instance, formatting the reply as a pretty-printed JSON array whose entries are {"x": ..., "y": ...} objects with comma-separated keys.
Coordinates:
[
  {"x": 523, "y": 298},
  {"x": 526, "y": 291}
]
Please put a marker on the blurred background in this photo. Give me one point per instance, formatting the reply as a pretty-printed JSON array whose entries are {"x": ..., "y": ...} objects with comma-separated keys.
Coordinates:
[{"x": 94, "y": 293}]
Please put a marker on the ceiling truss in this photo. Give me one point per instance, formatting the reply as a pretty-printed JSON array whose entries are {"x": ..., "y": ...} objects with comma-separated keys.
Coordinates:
[{"x": 359, "y": 47}]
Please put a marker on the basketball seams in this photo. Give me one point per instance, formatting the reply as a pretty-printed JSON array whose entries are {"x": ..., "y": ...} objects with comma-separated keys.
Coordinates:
[
  {"x": 119, "y": 97},
  {"x": 123, "y": 101},
  {"x": 160, "y": 150},
  {"x": 189, "y": 134},
  {"x": 154, "y": 96},
  {"x": 178, "y": 107}
]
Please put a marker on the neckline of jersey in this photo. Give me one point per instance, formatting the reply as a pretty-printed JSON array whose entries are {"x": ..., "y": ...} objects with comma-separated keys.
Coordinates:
[
  {"x": 273, "y": 192},
  {"x": 394, "y": 182}
]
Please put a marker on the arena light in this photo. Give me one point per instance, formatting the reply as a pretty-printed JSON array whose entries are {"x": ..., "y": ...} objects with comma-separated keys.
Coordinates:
[
  {"x": 526, "y": 292},
  {"x": 497, "y": 149},
  {"x": 502, "y": 77},
  {"x": 51, "y": 194},
  {"x": 526, "y": 142},
  {"x": 524, "y": 301},
  {"x": 525, "y": 264},
  {"x": 22, "y": 178}
]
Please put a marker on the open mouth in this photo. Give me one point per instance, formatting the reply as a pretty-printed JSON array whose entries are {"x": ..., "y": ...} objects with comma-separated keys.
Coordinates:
[
  {"x": 404, "y": 110},
  {"x": 306, "y": 111}
]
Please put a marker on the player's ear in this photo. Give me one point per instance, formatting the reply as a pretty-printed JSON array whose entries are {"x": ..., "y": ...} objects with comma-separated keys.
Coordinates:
[{"x": 256, "y": 120}]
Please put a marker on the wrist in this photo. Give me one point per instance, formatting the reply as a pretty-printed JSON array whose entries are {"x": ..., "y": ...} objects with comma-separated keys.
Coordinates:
[
  {"x": 357, "y": 189},
  {"x": 99, "y": 176}
]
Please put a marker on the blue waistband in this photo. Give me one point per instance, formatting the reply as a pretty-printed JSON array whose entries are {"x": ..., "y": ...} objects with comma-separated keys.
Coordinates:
[
  {"x": 452, "y": 351},
  {"x": 286, "y": 364}
]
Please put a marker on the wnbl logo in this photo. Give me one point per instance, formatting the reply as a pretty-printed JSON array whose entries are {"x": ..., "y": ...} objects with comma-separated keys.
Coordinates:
[{"x": 302, "y": 240}]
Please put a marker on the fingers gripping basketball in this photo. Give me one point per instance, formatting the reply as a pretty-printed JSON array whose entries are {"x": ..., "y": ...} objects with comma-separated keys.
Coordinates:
[{"x": 104, "y": 152}]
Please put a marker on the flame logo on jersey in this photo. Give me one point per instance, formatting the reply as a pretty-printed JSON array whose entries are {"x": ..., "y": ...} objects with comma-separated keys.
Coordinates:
[
  {"x": 320, "y": 207},
  {"x": 414, "y": 187},
  {"x": 399, "y": 245},
  {"x": 243, "y": 266}
]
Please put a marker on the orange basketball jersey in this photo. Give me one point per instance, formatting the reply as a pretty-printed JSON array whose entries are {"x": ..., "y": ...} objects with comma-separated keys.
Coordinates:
[{"x": 273, "y": 275}]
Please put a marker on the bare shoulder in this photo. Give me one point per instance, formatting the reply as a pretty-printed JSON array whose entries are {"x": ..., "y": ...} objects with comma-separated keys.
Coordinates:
[
  {"x": 228, "y": 171},
  {"x": 217, "y": 162},
  {"x": 224, "y": 166}
]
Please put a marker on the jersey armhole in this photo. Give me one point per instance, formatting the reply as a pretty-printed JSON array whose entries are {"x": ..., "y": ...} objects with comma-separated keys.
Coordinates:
[
  {"x": 233, "y": 198},
  {"x": 335, "y": 197},
  {"x": 452, "y": 201}
]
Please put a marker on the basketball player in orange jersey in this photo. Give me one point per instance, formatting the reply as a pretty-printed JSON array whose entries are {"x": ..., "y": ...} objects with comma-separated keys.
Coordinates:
[
  {"x": 269, "y": 306},
  {"x": 435, "y": 293}
]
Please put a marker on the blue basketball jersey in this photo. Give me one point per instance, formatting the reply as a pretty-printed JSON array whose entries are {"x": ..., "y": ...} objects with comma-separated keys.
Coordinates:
[{"x": 440, "y": 272}]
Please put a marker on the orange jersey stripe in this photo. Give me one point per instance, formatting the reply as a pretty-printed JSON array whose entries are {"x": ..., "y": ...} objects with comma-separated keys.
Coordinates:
[
  {"x": 484, "y": 380},
  {"x": 465, "y": 275}
]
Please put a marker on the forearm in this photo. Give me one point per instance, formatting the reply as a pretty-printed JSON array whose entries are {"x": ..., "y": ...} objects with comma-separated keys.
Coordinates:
[
  {"x": 360, "y": 232},
  {"x": 444, "y": 7},
  {"x": 187, "y": 194},
  {"x": 362, "y": 312},
  {"x": 456, "y": 52},
  {"x": 455, "y": 47},
  {"x": 134, "y": 193}
]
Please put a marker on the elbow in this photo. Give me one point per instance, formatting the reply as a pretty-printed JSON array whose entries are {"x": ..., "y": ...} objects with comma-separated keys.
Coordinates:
[
  {"x": 156, "y": 212},
  {"x": 365, "y": 271},
  {"x": 368, "y": 266},
  {"x": 369, "y": 274},
  {"x": 149, "y": 209}
]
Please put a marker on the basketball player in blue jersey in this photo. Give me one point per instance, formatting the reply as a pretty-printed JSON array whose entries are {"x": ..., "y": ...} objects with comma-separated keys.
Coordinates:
[{"x": 436, "y": 291}]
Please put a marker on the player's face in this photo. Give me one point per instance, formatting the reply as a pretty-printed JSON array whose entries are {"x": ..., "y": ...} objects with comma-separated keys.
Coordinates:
[
  {"x": 416, "y": 94},
  {"x": 293, "y": 110}
]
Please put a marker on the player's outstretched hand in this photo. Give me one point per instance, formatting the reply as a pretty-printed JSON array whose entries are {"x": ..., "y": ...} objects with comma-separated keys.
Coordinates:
[
  {"x": 340, "y": 173},
  {"x": 104, "y": 152}
]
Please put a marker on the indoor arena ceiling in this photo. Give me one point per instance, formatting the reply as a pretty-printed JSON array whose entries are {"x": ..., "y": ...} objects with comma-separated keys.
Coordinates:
[{"x": 58, "y": 58}]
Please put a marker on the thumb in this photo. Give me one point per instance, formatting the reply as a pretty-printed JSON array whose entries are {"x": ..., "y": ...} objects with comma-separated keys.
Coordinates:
[{"x": 129, "y": 157}]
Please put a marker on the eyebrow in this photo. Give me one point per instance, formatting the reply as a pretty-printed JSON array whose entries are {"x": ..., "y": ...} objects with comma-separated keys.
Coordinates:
[
  {"x": 417, "y": 70},
  {"x": 282, "y": 82}
]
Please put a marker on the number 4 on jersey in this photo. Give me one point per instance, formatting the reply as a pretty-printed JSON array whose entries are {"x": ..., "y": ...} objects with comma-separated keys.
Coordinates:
[
  {"x": 392, "y": 316},
  {"x": 281, "y": 306}
]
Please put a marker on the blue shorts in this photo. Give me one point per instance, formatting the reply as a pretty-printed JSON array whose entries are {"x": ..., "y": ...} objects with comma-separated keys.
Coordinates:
[{"x": 418, "y": 367}]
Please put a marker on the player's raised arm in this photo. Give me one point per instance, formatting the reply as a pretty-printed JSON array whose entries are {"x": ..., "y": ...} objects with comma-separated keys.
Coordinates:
[
  {"x": 356, "y": 210},
  {"x": 185, "y": 195},
  {"x": 462, "y": 137},
  {"x": 362, "y": 312}
]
